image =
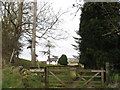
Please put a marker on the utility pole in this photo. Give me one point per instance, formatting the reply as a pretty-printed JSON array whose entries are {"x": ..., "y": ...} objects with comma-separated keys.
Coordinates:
[
  {"x": 34, "y": 33},
  {"x": 49, "y": 50},
  {"x": 49, "y": 45}
]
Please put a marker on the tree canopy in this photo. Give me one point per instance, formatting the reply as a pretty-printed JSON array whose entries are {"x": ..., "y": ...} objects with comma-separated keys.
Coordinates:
[
  {"x": 96, "y": 45},
  {"x": 17, "y": 26}
]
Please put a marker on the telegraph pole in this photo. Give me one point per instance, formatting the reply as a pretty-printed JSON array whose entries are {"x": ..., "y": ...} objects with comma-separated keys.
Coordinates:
[
  {"x": 49, "y": 50},
  {"x": 34, "y": 33}
]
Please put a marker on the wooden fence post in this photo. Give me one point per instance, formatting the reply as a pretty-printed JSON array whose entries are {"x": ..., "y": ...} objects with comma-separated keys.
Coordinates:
[
  {"x": 107, "y": 72},
  {"x": 102, "y": 77},
  {"x": 46, "y": 77}
]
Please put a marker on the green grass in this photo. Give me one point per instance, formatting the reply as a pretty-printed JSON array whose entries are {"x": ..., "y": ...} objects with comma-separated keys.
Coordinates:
[
  {"x": 22, "y": 62},
  {"x": 63, "y": 76},
  {"x": 26, "y": 63},
  {"x": 12, "y": 78},
  {"x": 114, "y": 81}
]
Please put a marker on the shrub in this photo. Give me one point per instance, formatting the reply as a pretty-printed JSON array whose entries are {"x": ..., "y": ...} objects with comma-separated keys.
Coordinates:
[{"x": 63, "y": 60}]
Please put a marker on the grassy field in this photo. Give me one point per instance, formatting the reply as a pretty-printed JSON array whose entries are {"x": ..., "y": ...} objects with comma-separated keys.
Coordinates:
[
  {"x": 26, "y": 63},
  {"x": 13, "y": 78}
]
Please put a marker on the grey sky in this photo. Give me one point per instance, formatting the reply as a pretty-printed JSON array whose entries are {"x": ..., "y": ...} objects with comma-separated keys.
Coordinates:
[{"x": 70, "y": 24}]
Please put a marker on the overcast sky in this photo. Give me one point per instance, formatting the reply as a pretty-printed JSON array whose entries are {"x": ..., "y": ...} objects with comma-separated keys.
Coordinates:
[{"x": 70, "y": 24}]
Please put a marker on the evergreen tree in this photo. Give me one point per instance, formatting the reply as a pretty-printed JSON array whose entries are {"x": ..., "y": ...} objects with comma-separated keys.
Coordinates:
[
  {"x": 96, "y": 46},
  {"x": 63, "y": 60}
]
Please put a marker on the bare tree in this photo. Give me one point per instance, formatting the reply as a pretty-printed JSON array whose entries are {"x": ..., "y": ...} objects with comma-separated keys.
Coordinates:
[
  {"x": 34, "y": 32},
  {"x": 12, "y": 27},
  {"x": 17, "y": 21},
  {"x": 47, "y": 24},
  {"x": 11, "y": 22}
]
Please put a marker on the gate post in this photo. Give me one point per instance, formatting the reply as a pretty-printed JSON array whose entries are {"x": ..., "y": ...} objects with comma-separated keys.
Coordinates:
[
  {"x": 46, "y": 77},
  {"x": 107, "y": 72},
  {"x": 102, "y": 77}
]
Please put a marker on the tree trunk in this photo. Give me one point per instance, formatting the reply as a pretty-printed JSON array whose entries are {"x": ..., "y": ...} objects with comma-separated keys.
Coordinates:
[{"x": 34, "y": 32}]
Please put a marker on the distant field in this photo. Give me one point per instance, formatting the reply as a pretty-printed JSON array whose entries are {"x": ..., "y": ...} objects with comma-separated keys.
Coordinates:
[{"x": 26, "y": 63}]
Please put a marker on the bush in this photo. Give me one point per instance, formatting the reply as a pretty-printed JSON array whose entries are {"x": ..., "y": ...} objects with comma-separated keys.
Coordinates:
[{"x": 63, "y": 60}]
